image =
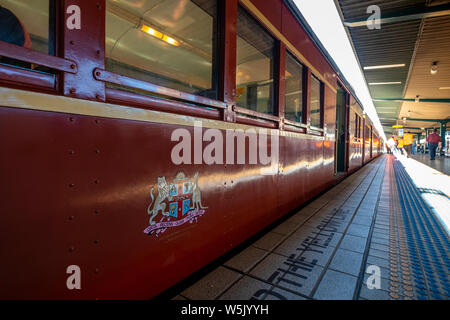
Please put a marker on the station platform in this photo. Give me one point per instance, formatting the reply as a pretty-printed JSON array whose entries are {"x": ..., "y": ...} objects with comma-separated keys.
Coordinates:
[
  {"x": 440, "y": 163},
  {"x": 376, "y": 219}
]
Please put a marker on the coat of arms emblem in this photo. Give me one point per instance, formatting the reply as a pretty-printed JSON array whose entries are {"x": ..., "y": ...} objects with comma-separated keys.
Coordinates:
[{"x": 176, "y": 203}]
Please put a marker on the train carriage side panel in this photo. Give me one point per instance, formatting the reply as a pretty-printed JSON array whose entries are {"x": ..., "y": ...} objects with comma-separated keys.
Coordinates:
[{"x": 80, "y": 197}]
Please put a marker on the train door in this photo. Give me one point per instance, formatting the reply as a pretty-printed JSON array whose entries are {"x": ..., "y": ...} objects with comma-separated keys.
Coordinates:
[
  {"x": 341, "y": 130},
  {"x": 371, "y": 142}
]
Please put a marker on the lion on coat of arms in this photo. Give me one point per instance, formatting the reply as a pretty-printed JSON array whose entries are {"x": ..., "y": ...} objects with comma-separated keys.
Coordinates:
[{"x": 158, "y": 203}]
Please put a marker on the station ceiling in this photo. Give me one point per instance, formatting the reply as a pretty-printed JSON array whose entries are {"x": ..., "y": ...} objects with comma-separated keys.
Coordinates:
[{"x": 413, "y": 35}]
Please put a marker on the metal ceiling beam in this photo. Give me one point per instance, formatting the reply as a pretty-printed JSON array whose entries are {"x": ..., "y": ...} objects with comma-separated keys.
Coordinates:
[
  {"x": 428, "y": 120},
  {"x": 413, "y": 128},
  {"x": 404, "y": 15},
  {"x": 445, "y": 100}
]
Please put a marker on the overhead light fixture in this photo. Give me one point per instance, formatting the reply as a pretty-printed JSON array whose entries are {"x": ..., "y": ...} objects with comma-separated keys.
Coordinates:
[
  {"x": 153, "y": 32},
  {"x": 157, "y": 34},
  {"x": 386, "y": 66},
  {"x": 434, "y": 67},
  {"x": 170, "y": 40},
  {"x": 383, "y": 83},
  {"x": 444, "y": 88}
]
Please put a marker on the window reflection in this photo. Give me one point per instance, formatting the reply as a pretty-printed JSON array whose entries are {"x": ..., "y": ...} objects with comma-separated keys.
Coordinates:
[
  {"x": 293, "y": 89},
  {"x": 170, "y": 43},
  {"x": 29, "y": 24},
  {"x": 255, "y": 57},
  {"x": 316, "y": 102}
]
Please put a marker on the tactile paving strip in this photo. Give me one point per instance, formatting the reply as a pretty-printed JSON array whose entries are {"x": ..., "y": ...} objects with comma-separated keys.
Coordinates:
[
  {"x": 400, "y": 280},
  {"x": 420, "y": 247}
]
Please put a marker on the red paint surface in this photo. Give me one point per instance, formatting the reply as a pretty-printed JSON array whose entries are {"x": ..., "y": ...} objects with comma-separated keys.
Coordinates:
[{"x": 76, "y": 188}]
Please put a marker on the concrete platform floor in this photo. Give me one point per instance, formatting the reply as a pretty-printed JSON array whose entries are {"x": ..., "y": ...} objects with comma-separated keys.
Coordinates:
[
  {"x": 440, "y": 163},
  {"x": 329, "y": 249}
]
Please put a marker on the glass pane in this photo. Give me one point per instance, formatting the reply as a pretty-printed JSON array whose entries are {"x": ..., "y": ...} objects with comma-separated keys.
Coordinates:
[
  {"x": 254, "y": 74},
  {"x": 29, "y": 24},
  {"x": 293, "y": 109},
  {"x": 315, "y": 102},
  {"x": 170, "y": 43}
]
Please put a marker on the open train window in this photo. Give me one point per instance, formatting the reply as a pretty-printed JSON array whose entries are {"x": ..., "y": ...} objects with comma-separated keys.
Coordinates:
[
  {"x": 316, "y": 102},
  {"x": 171, "y": 43},
  {"x": 29, "y": 24},
  {"x": 255, "y": 65},
  {"x": 293, "y": 95}
]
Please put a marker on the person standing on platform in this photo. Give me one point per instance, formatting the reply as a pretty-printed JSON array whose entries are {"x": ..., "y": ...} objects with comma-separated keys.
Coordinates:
[
  {"x": 407, "y": 143},
  {"x": 433, "y": 142},
  {"x": 400, "y": 145},
  {"x": 414, "y": 146},
  {"x": 392, "y": 143}
]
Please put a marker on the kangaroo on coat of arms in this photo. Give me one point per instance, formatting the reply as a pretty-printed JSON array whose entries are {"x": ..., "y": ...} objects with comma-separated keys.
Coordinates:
[
  {"x": 181, "y": 197},
  {"x": 196, "y": 195}
]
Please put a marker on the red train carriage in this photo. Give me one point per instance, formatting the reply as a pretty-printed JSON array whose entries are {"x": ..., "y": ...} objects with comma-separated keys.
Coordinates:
[{"x": 115, "y": 134}]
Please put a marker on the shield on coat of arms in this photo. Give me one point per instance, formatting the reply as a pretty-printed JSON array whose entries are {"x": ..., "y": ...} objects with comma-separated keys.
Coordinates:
[{"x": 176, "y": 203}]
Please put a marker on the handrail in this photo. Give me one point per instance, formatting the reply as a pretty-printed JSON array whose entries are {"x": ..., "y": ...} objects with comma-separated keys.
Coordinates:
[
  {"x": 316, "y": 129},
  {"x": 29, "y": 77},
  {"x": 256, "y": 122},
  {"x": 23, "y": 54},
  {"x": 110, "y": 77},
  {"x": 290, "y": 128},
  {"x": 295, "y": 124},
  {"x": 123, "y": 97},
  {"x": 256, "y": 114}
]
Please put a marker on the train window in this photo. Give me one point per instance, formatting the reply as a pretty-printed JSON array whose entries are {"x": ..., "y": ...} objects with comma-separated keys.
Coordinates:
[
  {"x": 359, "y": 127},
  {"x": 171, "y": 43},
  {"x": 357, "y": 120},
  {"x": 255, "y": 64},
  {"x": 293, "y": 96},
  {"x": 316, "y": 102},
  {"x": 29, "y": 24}
]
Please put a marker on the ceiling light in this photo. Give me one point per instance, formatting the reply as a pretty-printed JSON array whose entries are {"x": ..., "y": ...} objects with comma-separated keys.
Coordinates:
[
  {"x": 444, "y": 88},
  {"x": 171, "y": 41},
  {"x": 434, "y": 68},
  {"x": 386, "y": 66},
  {"x": 383, "y": 83},
  {"x": 152, "y": 31},
  {"x": 155, "y": 33}
]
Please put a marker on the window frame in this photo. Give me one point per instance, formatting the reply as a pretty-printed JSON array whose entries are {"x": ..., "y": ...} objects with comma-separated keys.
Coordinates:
[
  {"x": 321, "y": 104},
  {"x": 304, "y": 77},
  {"x": 242, "y": 112},
  {"x": 24, "y": 78},
  {"x": 177, "y": 95},
  {"x": 66, "y": 81}
]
